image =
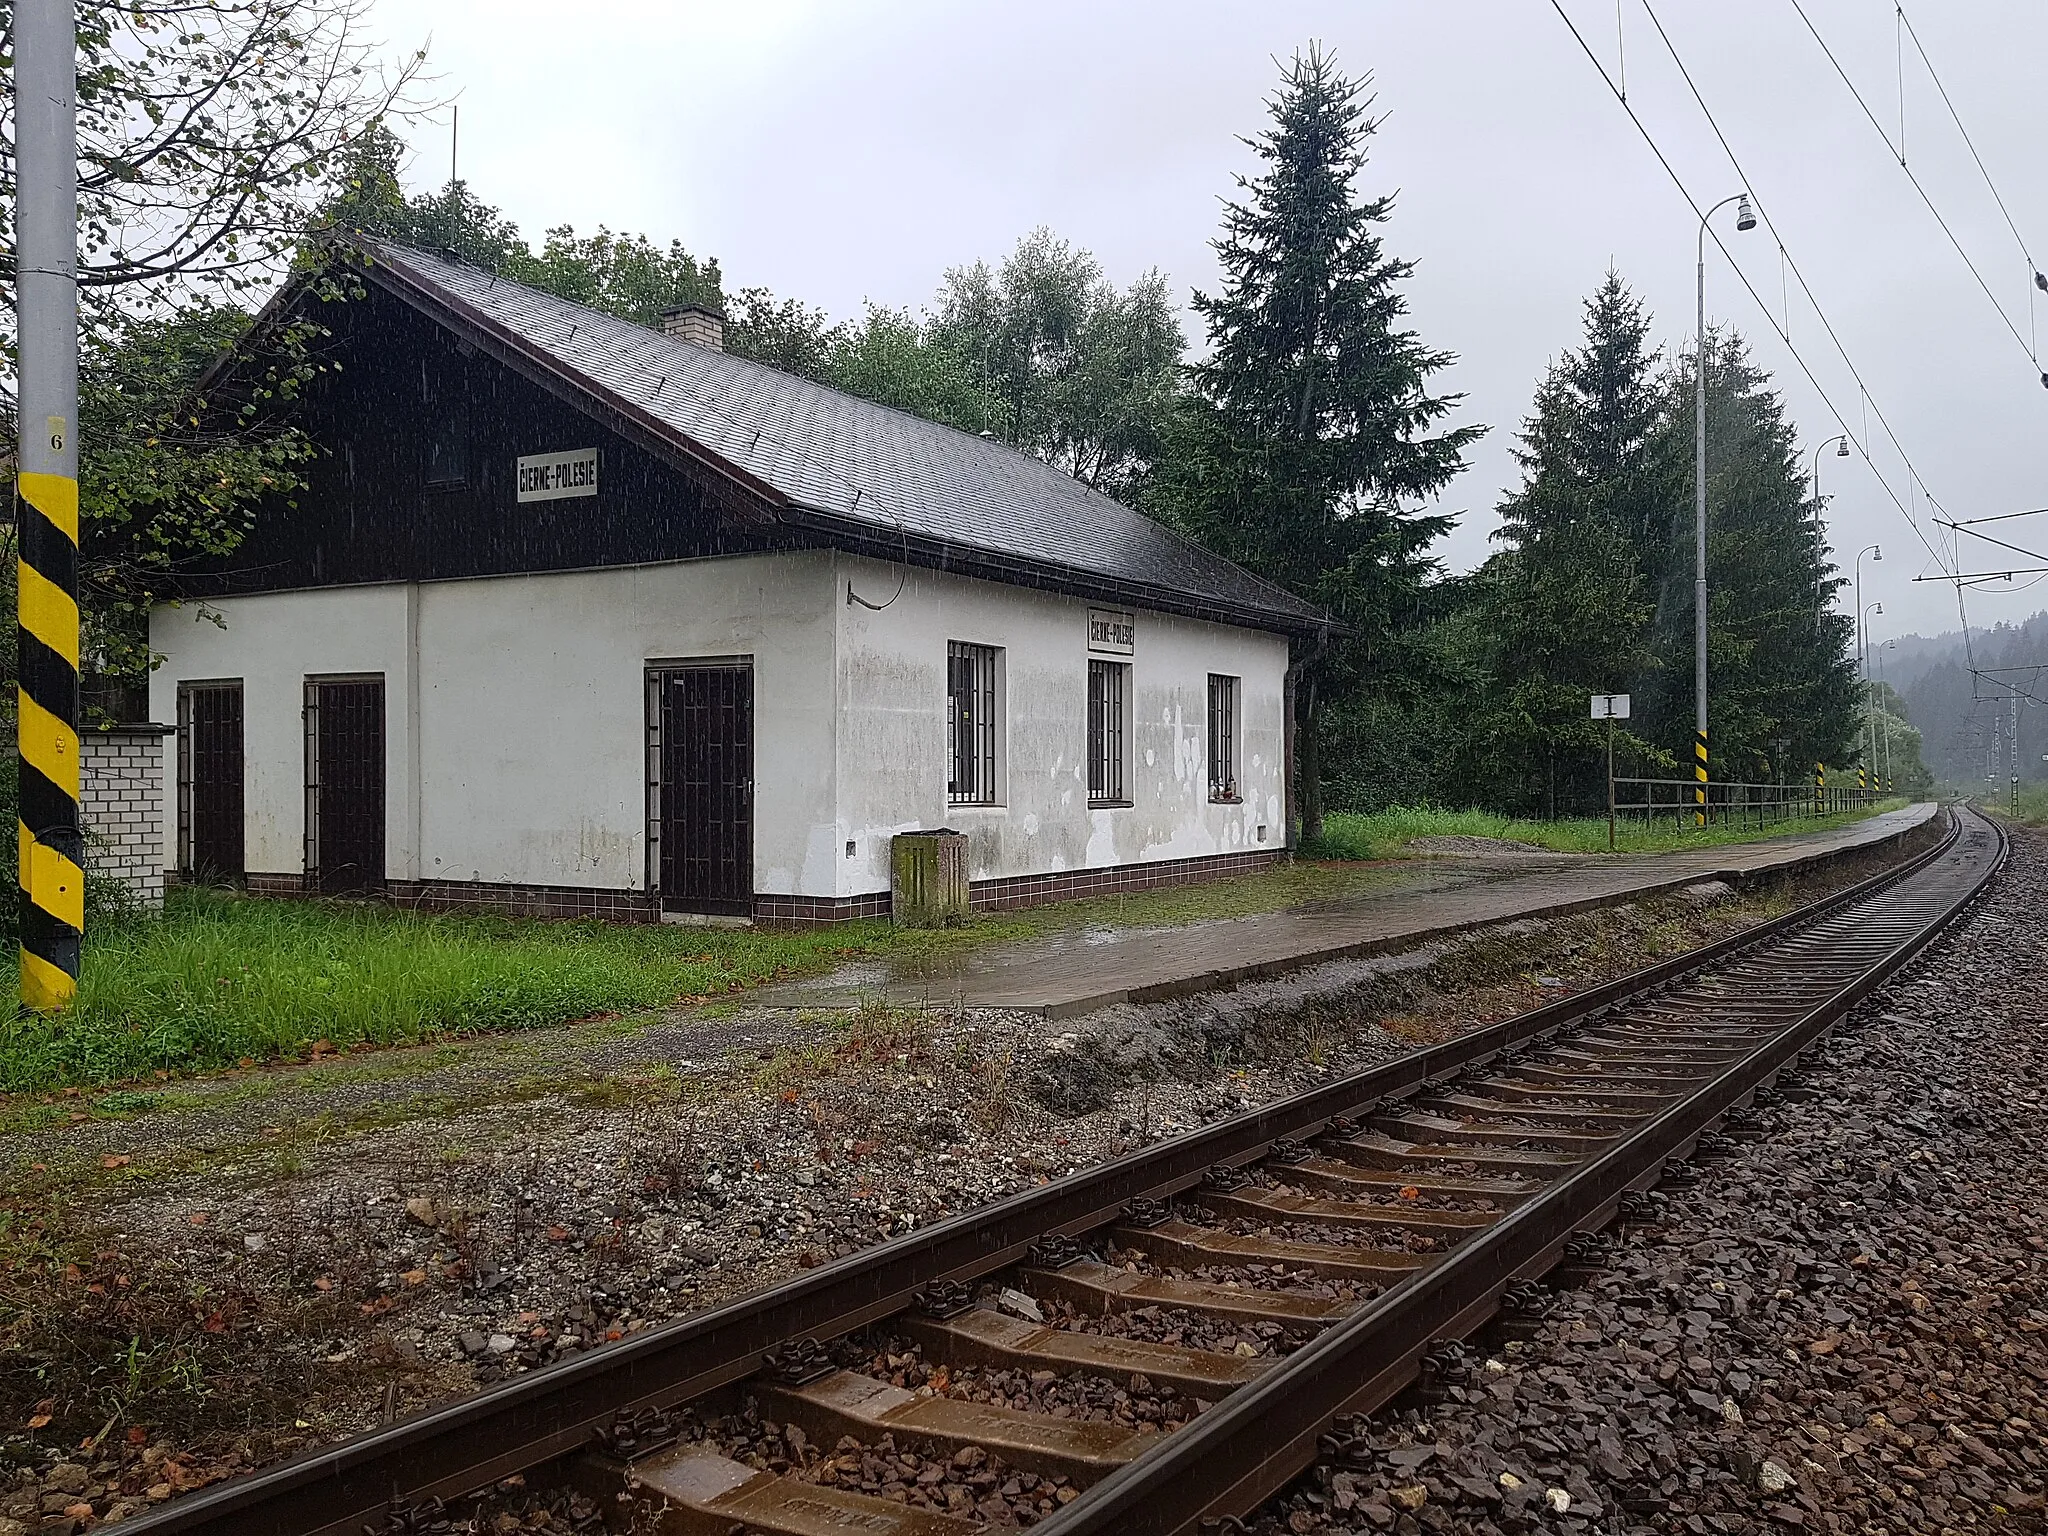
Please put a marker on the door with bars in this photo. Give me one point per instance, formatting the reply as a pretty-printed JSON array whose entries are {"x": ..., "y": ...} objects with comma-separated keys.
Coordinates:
[
  {"x": 210, "y": 781},
  {"x": 345, "y": 784},
  {"x": 701, "y": 787}
]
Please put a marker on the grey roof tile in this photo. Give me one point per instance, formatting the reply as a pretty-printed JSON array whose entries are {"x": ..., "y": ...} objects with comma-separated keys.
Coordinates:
[{"x": 834, "y": 453}]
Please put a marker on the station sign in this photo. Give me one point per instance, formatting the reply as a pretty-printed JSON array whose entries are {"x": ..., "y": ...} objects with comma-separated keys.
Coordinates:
[
  {"x": 552, "y": 476},
  {"x": 1112, "y": 631}
]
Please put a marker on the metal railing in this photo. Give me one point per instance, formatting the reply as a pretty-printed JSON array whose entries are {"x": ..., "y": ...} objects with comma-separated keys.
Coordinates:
[{"x": 1734, "y": 804}]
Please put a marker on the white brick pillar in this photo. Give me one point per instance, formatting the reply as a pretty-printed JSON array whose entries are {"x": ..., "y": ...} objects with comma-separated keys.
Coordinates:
[{"x": 121, "y": 800}]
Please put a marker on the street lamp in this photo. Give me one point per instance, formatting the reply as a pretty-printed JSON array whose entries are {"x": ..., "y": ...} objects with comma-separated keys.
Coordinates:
[
  {"x": 1876, "y": 557},
  {"x": 1841, "y": 440},
  {"x": 1820, "y": 537},
  {"x": 1745, "y": 219},
  {"x": 1888, "y": 645}
]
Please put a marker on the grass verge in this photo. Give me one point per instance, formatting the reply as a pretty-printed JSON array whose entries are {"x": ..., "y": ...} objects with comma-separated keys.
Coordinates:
[
  {"x": 220, "y": 980},
  {"x": 1387, "y": 834}
]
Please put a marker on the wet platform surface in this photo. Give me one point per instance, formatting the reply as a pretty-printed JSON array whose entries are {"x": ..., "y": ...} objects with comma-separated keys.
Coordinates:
[{"x": 1078, "y": 970}]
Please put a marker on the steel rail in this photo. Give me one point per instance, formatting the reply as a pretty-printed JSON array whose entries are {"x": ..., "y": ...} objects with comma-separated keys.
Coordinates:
[
  {"x": 467, "y": 1444},
  {"x": 1230, "y": 1459}
]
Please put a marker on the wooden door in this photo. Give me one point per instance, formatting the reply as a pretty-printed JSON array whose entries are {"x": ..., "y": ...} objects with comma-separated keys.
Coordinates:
[
  {"x": 703, "y": 718},
  {"x": 210, "y": 781},
  {"x": 345, "y": 784}
]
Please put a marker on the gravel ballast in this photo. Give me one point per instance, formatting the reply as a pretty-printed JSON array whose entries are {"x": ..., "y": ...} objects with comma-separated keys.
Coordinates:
[
  {"x": 321, "y": 1275},
  {"x": 1839, "y": 1329}
]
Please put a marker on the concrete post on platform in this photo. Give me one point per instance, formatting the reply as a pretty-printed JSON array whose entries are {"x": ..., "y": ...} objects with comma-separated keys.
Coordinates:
[{"x": 928, "y": 885}]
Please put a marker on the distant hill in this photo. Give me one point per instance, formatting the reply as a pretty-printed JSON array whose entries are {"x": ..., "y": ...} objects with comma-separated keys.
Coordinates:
[{"x": 1955, "y": 713}]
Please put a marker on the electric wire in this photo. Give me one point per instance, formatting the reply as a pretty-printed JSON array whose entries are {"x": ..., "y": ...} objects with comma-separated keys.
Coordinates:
[
  {"x": 1804, "y": 367},
  {"x": 1898, "y": 152},
  {"x": 2033, "y": 267},
  {"x": 2031, "y": 554},
  {"x": 1804, "y": 287},
  {"x": 1998, "y": 517}
]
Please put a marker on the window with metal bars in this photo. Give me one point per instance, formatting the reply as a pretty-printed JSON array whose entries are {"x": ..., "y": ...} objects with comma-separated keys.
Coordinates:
[
  {"x": 1223, "y": 738},
  {"x": 972, "y": 684},
  {"x": 1106, "y": 732}
]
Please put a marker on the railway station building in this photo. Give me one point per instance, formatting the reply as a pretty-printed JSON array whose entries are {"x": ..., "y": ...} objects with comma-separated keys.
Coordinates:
[{"x": 578, "y": 617}]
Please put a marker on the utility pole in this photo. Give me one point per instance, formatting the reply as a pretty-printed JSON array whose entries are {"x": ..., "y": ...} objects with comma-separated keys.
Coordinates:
[
  {"x": 1744, "y": 220},
  {"x": 46, "y": 503},
  {"x": 2014, "y": 734}
]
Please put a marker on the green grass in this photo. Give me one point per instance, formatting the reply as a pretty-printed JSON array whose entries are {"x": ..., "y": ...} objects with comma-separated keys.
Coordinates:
[
  {"x": 220, "y": 979},
  {"x": 1386, "y": 834},
  {"x": 2031, "y": 811}
]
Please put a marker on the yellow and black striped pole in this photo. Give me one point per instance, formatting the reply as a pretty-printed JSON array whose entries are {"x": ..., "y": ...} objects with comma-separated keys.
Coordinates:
[
  {"x": 1699, "y": 773},
  {"x": 46, "y": 504},
  {"x": 1820, "y": 789}
]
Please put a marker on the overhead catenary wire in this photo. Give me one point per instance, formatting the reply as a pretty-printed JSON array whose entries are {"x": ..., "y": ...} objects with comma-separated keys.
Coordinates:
[
  {"x": 1763, "y": 306},
  {"x": 1763, "y": 212},
  {"x": 2031, "y": 554},
  {"x": 1996, "y": 517},
  {"x": 1898, "y": 152},
  {"x": 2036, "y": 276}
]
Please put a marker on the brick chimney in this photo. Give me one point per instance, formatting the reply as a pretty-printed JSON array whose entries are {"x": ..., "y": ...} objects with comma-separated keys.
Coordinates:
[{"x": 698, "y": 324}]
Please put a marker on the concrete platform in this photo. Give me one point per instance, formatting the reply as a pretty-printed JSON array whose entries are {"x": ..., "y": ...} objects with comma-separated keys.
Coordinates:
[{"x": 1083, "y": 969}]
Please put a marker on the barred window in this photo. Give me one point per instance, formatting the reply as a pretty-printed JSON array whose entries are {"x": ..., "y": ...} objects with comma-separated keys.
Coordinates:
[
  {"x": 1106, "y": 687},
  {"x": 971, "y": 687},
  {"x": 1222, "y": 738}
]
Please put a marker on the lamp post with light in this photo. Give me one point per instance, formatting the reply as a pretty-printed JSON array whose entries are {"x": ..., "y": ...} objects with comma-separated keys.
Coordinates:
[
  {"x": 1878, "y": 652},
  {"x": 1745, "y": 219},
  {"x": 1869, "y": 700},
  {"x": 1820, "y": 537}
]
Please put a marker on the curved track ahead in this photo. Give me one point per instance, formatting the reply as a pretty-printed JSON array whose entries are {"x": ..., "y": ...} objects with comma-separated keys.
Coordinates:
[{"x": 1435, "y": 1188}]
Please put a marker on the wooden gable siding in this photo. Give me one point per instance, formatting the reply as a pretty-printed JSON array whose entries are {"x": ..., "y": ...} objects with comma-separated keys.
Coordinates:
[{"x": 407, "y": 388}]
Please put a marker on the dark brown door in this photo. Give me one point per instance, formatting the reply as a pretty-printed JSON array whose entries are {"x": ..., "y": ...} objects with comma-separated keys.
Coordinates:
[
  {"x": 345, "y": 784},
  {"x": 705, "y": 789},
  {"x": 210, "y": 781}
]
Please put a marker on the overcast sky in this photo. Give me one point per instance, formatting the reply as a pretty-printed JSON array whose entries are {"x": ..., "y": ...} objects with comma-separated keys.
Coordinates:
[{"x": 845, "y": 150}]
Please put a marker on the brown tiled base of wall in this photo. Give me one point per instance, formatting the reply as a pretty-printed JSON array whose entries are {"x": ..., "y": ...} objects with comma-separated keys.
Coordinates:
[
  {"x": 563, "y": 901},
  {"x": 560, "y": 901},
  {"x": 814, "y": 911},
  {"x": 1071, "y": 884},
  {"x": 1023, "y": 890},
  {"x": 478, "y": 896}
]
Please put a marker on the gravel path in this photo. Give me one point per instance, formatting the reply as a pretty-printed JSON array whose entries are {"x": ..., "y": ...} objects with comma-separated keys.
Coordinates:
[{"x": 1840, "y": 1329}]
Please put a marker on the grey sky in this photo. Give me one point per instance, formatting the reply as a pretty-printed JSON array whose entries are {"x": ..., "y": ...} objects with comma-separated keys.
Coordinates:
[{"x": 852, "y": 150}]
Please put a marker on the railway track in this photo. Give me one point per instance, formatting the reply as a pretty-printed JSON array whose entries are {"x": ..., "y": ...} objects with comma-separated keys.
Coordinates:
[{"x": 1003, "y": 1366}]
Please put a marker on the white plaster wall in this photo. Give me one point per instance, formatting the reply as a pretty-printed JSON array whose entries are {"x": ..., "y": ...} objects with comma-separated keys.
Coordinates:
[
  {"x": 531, "y": 709},
  {"x": 892, "y": 738},
  {"x": 515, "y": 719},
  {"x": 273, "y": 642}
]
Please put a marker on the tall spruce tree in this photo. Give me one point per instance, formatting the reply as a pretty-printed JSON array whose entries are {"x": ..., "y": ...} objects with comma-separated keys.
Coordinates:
[
  {"x": 1569, "y": 599},
  {"x": 1308, "y": 436},
  {"x": 1781, "y": 681}
]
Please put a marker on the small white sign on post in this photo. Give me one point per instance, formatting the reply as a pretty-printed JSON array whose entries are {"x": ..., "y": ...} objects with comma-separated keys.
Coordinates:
[{"x": 1610, "y": 706}]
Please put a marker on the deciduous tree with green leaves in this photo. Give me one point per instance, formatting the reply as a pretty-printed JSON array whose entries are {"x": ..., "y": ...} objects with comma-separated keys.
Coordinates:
[{"x": 1312, "y": 432}]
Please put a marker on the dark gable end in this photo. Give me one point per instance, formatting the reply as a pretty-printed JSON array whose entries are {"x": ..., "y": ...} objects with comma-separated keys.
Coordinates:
[
  {"x": 449, "y": 376},
  {"x": 421, "y": 430}
]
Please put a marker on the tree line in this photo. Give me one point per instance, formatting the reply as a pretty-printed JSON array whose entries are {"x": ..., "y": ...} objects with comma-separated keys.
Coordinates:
[{"x": 1308, "y": 438}]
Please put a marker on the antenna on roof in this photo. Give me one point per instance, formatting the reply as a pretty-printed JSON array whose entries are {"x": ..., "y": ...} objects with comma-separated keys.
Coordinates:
[{"x": 454, "y": 133}]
